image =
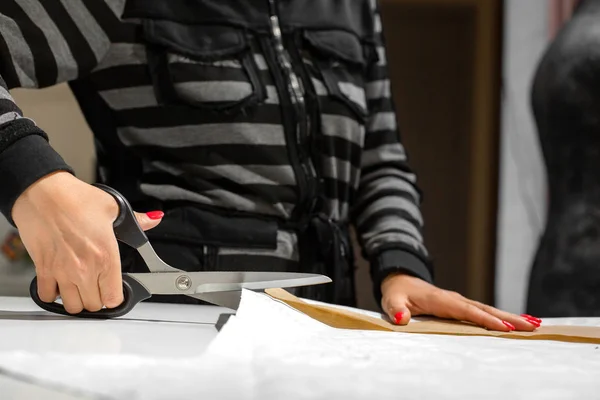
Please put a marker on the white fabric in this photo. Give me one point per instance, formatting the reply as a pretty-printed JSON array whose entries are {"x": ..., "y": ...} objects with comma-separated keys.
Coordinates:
[{"x": 270, "y": 351}]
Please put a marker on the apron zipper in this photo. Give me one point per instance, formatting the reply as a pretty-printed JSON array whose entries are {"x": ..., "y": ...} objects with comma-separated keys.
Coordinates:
[{"x": 307, "y": 175}]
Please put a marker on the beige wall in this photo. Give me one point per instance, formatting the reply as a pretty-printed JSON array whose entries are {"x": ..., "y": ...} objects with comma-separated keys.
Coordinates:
[{"x": 55, "y": 110}]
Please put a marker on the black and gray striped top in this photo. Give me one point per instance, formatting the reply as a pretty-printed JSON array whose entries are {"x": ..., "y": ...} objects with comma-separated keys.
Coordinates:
[{"x": 259, "y": 107}]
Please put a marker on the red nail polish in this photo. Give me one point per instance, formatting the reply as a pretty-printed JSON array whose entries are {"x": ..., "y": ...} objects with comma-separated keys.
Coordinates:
[
  {"x": 155, "y": 214},
  {"x": 398, "y": 317},
  {"x": 531, "y": 318},
  {"x": 509, "y": 325},
  {"x": 534, "y": 323}
]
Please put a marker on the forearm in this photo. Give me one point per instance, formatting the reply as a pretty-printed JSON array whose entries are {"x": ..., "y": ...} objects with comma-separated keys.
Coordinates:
[
  {"x": 42, "y": 43},
  {"x": 389, "y": 220},
  {"x": 387, "y": 211},
  {"x": 25, "y": 154}
]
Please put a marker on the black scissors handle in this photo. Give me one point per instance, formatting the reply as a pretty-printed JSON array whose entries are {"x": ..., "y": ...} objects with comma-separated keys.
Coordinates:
[
  {"x": 126, "y": 227},
  {"x": 133, "y": 293},
  {"x": 128, "y": 231}
]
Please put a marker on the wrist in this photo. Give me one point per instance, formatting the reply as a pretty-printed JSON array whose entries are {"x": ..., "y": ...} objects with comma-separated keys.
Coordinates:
[
  {"x": 396, "y": 261},
  {"x": 395, "y": 278},
  {"x": 23, "y": 163},
  {"x": 40, "y": 194}
]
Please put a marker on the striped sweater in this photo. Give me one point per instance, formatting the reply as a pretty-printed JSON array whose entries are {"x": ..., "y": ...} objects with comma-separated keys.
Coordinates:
[{"x": 267, "y": 109}]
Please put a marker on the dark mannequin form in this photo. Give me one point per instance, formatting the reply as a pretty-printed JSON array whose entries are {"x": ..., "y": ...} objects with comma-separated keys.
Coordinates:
[{"x": 565, "y": 277}]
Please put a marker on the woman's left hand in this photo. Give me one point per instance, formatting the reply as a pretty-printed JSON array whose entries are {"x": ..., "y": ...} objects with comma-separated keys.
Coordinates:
[{"x": 405, "y": 296}]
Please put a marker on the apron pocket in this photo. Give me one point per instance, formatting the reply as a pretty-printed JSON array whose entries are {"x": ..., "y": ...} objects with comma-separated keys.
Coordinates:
[{"x": 208, "y": 67}]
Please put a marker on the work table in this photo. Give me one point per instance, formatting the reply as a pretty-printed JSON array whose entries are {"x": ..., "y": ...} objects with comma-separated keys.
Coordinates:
[
  {"x": 183, "y": 332},
  {"x": 151, "y": 329}
]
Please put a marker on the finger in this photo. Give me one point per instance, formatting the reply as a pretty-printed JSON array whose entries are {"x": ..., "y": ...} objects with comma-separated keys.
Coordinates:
[
  {"x": 47, "y": 288},
  {"x": 397, "y": 310},
  {"x": 90, "y": 296},
  {"x": 462, "y": 310},
  {"x": 70, "y": 297},
  {"x": 519, "y": 322},
  {"x": 149, "y": 220},
  {"x": 532, "y": 319},
  {"x": 110, "y": 281}
]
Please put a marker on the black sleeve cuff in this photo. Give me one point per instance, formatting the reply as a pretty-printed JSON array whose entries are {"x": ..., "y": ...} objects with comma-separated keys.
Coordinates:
[
  {"x": 25, "y": 161},
  {"x": 394, "y": 261}
]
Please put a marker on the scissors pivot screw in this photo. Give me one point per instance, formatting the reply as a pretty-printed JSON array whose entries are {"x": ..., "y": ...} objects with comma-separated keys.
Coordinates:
[{"x": 184, "y": 282}]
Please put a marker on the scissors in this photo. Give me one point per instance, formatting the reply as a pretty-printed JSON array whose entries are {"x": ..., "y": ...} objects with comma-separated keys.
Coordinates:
[{"x": 217, "y": 287}]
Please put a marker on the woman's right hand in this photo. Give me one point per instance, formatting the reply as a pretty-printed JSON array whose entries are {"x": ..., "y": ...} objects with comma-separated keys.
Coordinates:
[{"x": 66, "y": 226}]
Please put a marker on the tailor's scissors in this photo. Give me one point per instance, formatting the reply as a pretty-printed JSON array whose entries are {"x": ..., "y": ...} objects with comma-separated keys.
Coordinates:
[{"x": 217, "y": 287}]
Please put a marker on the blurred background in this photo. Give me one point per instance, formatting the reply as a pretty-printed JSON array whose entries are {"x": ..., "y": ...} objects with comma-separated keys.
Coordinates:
[{"x": 461, "y": 72}]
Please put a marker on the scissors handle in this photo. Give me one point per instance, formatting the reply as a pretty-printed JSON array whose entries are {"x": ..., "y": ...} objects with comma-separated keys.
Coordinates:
[
  {"x": 125, "y": 226},
  {"x": 133, "y": 293},
  {"x": 128, "y": 231}
]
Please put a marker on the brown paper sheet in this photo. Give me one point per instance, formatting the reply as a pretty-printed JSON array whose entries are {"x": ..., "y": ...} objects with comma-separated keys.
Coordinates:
[{"x": 339, "y": 318}]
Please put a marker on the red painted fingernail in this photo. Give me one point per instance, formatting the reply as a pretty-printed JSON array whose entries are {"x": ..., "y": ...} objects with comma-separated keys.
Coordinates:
[
  {"x": 155, "y": 214},
  {"x": 398, "y": 317},
  {"x": 534, "y": 323},
  {"x": 531, "y": 318},
  {"x": 509, "y": 325}
]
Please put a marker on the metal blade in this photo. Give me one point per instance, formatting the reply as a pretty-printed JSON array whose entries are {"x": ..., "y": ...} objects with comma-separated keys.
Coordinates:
[
  {"x": 204, "y": 282},
  {"x": 153, "y": 261},
  {"x": 224, "y": 299},
  {"x": 262, "y": 282}
]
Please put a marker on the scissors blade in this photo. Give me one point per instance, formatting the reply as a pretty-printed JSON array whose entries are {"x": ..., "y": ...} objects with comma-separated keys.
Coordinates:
[
  {"x": 224, "y": 299},
  {"x": 261, "y": 281},
  {"x": 204, "y": 282}
]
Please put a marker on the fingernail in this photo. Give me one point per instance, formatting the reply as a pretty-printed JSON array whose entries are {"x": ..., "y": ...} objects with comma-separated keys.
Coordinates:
[
  {"x": 509, "y": 325},
  {"x": 531, "y": 318},
  {"x": 534, "y": 323},
  {"x": 398, "y": 317},
  {"x": 155, "y": 214}
]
